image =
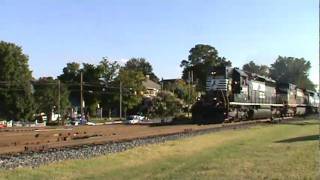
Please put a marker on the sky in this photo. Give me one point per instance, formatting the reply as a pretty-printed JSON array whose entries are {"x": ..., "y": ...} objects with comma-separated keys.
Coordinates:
[{"x": 55, "y": 32}]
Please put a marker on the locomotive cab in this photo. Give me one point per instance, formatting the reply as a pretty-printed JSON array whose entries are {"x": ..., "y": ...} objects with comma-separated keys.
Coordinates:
[{"x": 213, "y": 106}]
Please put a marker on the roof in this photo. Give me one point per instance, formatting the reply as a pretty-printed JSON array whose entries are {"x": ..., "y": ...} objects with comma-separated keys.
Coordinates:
[
  {"x": 149, "y": 84},
  {"x": 242, "y": 73}
]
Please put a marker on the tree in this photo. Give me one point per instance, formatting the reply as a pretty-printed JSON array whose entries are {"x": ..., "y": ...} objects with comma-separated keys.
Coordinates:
[
  {"x": 200, "y": 60},
  {"x": 91, "y": 86},
  {"x": 71, "y": 77},
  {"x": 292, "y": 70},
  {"x": 141, "y": 64},
  {"x": 132, "y": 88},
  {"x": 15, "y": 83},
  {"x": 71, "y": 73},
  {"x": 109, "y": 72},
  {"x": 181, "y": 90},
  {"x": 97, "y": 82},
  {"x": 165, "y": 104},
  {"x": 108, "y": 69},
  {"x": 252, "y": 67},
  {"x": 46, "y": 96}
]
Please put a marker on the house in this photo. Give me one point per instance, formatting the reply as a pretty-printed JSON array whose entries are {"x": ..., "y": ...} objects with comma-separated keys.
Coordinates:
[{"x": 152, "y": 88}]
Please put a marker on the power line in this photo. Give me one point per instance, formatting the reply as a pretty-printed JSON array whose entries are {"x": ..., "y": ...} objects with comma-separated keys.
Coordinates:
[{"x": 87, "y": 84}]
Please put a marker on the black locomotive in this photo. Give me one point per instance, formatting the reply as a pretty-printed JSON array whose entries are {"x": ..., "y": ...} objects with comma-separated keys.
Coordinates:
[{"x": 235, "y": 95}]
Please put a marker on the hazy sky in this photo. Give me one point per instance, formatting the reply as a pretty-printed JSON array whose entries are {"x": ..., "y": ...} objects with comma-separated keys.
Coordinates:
[{"x": 54, "y": 32}]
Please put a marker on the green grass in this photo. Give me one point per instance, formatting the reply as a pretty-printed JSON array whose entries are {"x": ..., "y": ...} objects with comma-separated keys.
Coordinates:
[
  {"x": 265, "y": 152},
  {"x": 103, "y": 120}
]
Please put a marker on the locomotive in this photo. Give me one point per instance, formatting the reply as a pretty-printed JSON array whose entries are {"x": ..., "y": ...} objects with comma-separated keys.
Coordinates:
[{"x": 235, "y": 95}]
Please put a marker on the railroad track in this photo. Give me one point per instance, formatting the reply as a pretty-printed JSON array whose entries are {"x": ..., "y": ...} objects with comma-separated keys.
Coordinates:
[
  {"x": 38, "y": 154},
  {"x": 45, "y": 139}
]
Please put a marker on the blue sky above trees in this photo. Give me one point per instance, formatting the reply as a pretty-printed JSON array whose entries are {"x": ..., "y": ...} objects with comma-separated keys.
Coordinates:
[{"x": 53, "y": 33}]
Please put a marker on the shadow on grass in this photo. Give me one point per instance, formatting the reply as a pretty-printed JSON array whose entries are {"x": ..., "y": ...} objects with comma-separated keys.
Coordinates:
[
  {"x": 171, "y": 123},
  {"x": 304, "y": 123},
  {"x": 301, "y": 138}
]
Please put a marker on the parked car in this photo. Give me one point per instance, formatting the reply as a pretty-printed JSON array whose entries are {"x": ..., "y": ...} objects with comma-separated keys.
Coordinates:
[
  {"x": 90, "y": 124},
  {"x": 134, "y": 119}
]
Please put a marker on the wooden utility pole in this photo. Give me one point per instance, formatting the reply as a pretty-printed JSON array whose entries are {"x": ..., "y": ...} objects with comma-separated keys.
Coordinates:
[
  {"x": 319, "y": 86},
  {"x": 189, "y": 90},
  {"x": 59, "y": 102},
  {"x": 81, "y": 93},
  {"x": 162, "y": 84},
  {"x": 191, "y": 85},
  {"x": 120, "y": 102}
]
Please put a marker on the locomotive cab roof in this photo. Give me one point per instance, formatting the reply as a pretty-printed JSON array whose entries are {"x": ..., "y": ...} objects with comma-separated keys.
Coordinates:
[{"x": 242, "y": 73}]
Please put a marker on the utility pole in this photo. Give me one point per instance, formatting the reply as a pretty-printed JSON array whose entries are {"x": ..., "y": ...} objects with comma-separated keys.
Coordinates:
[
  {"x": 81, "y": 93},
  {"x": 162, "y": 84},
  {"x": 191, "y": 84},
  {"x": 120, "y": 103},
  {"x": 59, "y": 102},
  {"x": 189, "y": 90},
  {"x": 319, "y": 89}
]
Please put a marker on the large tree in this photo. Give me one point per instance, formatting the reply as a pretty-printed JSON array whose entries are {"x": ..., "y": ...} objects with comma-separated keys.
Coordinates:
[
  {"x": 46, "y": 96},
  {"x": 292, "y": 70},
  {"x": 257, "y": 69},
  {"x": 141, "y": 64},
  {"x": 71, "y": 73},
  {"x": 181, "y": 90},
  {"x": 71, "y": 77},
  {"x": 109, "y": 72},
  {"x": 201, "y": 58},
  {"x": 132, "y": 88},
  {"x": 16, "y": 100},
  {"x": 97, "y": 81},
  {"x": 165, "y": 104}
]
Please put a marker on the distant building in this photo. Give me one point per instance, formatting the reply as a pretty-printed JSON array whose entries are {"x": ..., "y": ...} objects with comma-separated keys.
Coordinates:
[{"x": 152, "y": 88}]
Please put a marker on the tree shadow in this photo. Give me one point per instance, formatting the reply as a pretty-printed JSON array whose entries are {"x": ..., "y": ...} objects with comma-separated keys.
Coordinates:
[
  {"x": 301, "y": 138},
  {"x": 301, "y": 123},
  {"x": 171, "y": 123}
]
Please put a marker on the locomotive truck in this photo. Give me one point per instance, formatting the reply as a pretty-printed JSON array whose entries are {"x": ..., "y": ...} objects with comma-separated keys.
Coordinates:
[{"x": 235, "y": 95}]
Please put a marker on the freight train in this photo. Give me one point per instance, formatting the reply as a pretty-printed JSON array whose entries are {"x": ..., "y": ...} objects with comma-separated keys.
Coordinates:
[{"x": 235, "y": 95}]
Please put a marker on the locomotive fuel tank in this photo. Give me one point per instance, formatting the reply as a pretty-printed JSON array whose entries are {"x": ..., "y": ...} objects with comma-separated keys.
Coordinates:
[{"x": 260, "y": 113}]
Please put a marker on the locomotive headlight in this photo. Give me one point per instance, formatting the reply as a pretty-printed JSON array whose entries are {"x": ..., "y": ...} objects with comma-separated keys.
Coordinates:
[
  {"x": 213, "y": 73},
  {"x": 214, "y": 98}
]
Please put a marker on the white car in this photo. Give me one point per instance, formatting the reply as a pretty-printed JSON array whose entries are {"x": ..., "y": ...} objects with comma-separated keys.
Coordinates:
[
  {"x": 134, "y": 119},
  {"x": 90, "y": 124}
]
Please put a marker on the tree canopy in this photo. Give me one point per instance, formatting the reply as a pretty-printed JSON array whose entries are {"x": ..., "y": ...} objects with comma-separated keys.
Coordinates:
[
  {"x": 165, "y": 104},
  {"x": 181, "y": 90},
  {"x": 96, "y": 82},
  {"x": 141, "y": 64},
  {"x": 15, "y": 83},
  {"x": 200, "y": 59},
  {"x": 292, "y": 70},
  {"x": 252, "y": 67},
  {"x": 132, "y": 88},
  {"x": 46, "y": 96}
]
